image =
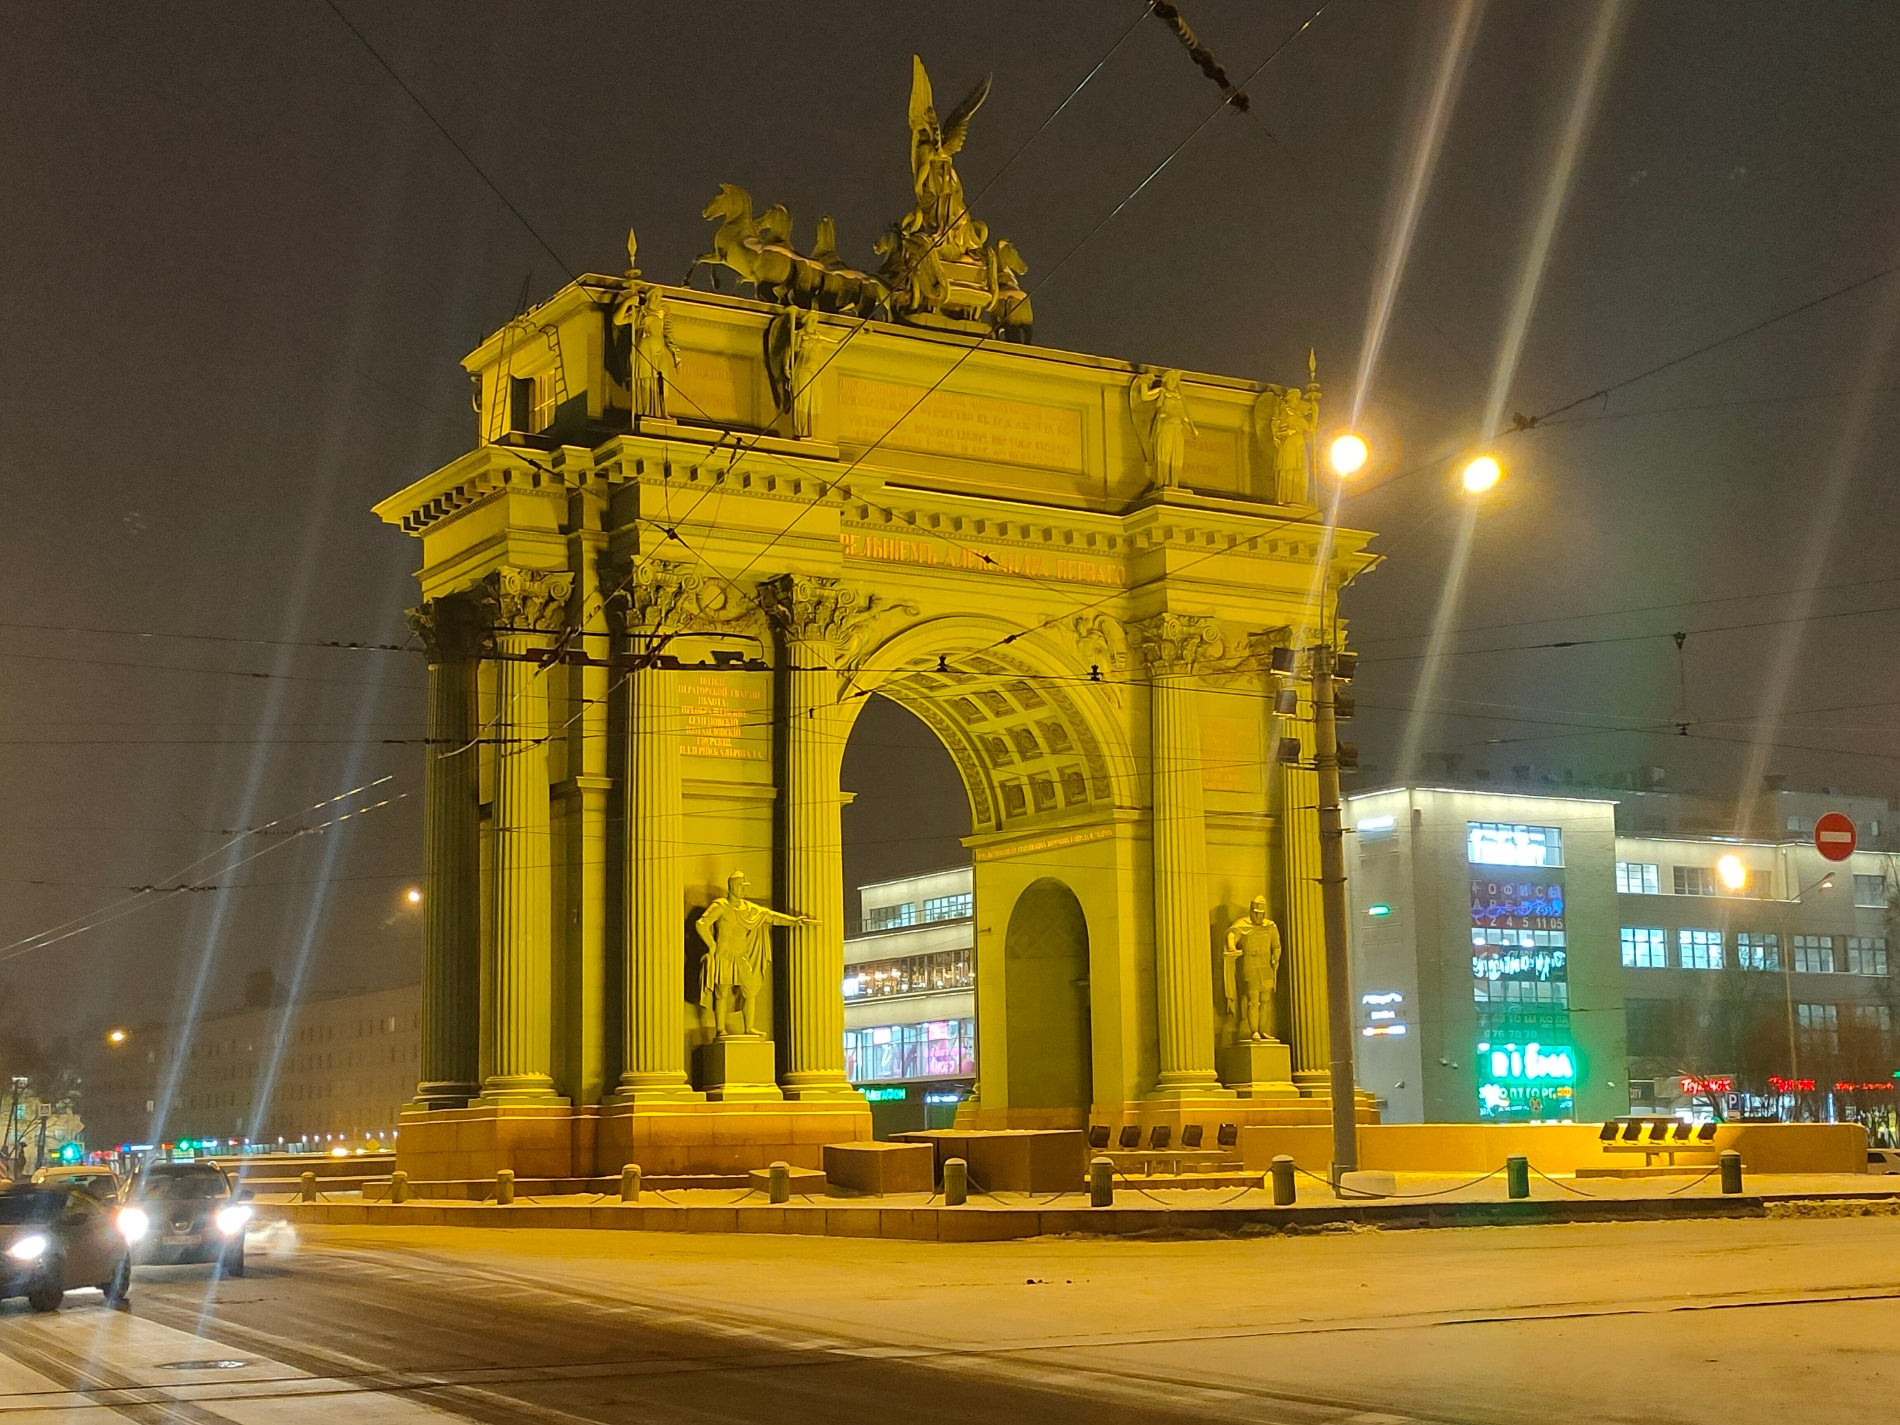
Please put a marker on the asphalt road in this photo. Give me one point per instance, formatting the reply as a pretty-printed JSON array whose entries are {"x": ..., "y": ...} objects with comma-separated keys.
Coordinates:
[{"x": 1730, "y": 1321}]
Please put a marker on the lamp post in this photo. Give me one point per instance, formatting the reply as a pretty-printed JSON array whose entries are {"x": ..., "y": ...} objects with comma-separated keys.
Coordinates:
[{"x": 1787, "y": 973}]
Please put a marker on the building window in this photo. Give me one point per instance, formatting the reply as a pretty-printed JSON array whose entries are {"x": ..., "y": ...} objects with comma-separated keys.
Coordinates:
[
  {"x": 1814, "y": 954},
  {"x": 1870, "y": 891},
  {"x": 1757, "y": 951},
  {"x": 1820, "y": 1024},
  {"x": 1701, "y": 949},
  {"x": 911, "y": 975},
  {"x": 1494, "y": 843},
  {"x": 1645, "y": 947},
  {"x": 1694, "y": 880},
  {"x": 886, "y": 917},
  {"x": 957, "y": 907},
  {"x": 1637, "y": 878},
  {"x": 886, "y": 1053},
  {"x": 1866, "y": 954},
  {"x": 1876, "y": 1018}
]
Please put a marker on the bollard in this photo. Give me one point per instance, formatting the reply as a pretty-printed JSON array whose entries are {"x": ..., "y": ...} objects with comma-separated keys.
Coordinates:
[
  {"x": 505, "y": 1186},
  {"x": 1101, "y": 1182},
  {"x": 1281, "y": 1176},
  {"x": 956, "y": 1182},
  {"x": 1517, "y": 1175},
  {"x": 1731, "y": 1171},
  {"x": 778, "y": 1182},
  {"x": 630, "y": 1183},
  {"x": 309, "y": 1190},
  {"x": 399, "y": 1186}
]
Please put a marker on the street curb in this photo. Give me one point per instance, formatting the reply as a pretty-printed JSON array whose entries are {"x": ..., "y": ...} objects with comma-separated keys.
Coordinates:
[{"x": 990, "y": 1222}]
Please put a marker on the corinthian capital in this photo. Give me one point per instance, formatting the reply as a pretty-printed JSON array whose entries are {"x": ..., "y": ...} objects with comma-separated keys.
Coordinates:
[
  {"x": 823, "y": 613},
  {"x": 654, "y": 597},
  {"x": 528, "y": 600},
  {"x": 1178, "y": 644},
  {"x": 450, "y": 628}
]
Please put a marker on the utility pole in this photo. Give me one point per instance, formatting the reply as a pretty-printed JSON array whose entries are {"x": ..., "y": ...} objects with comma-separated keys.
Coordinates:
[{"x": 1332, "y": 887}]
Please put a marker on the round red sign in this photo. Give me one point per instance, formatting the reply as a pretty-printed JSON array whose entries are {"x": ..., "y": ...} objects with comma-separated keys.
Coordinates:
[{"x": 1834, "y": 836}]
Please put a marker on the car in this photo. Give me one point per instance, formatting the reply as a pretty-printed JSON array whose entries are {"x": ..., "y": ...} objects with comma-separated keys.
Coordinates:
[
  {"x": 1883, "y": 1160},
  {"x": 100, "y": 1181},
  {"x": 56, "y": 1238},
  {"x": 195, "y": 1213}
]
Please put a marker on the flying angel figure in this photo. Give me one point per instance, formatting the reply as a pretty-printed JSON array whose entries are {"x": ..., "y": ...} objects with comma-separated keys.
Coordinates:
[{"x": 941, "y": 212}]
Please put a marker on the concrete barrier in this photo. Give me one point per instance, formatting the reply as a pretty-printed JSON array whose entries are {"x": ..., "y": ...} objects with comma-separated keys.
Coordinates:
[{"x": 877, "y": 1169}]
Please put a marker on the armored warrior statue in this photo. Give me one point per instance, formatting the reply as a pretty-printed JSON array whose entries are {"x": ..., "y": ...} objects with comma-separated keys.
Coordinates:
[
  {"x": 738, "y": 951},
  {"x": 1251, "y": 965}
]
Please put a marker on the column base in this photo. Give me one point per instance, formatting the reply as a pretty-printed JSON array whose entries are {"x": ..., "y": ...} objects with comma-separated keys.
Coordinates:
[
  {"x": 531, "y": 1090},
  {"x": 636, "y": 1089},
  {"x": 1195, "y": 1084},
  {"x": 739, "y": 1068},
  {"x": 441, "y": 1095},
  {"x": 822, "y": 1088},
  {"x": 1313, "y": 1083}
]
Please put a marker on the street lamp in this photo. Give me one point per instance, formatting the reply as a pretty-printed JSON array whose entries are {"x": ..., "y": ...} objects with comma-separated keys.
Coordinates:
[
  {"x": 116, "y": 1037},
  {"x": 1826, "y": 883},
  {"x": 413, "y": 895},
  {"x": 1348, "y": 453},
  {"x": 1481, "y": 474},
  {"x": 1733, "y": 874}
]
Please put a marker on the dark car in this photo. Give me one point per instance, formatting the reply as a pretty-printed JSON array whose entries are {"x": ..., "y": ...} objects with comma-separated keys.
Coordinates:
[
  {"x": 195, "y": 1215},
  {"x": 56, "y": 1239}
]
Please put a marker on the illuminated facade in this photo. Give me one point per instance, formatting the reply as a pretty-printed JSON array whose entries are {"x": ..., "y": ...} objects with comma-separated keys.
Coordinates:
[
  {"x": 697, "y": 530},
  {"x": 1528, "y": 956},
  {"x": 333, "y": 1068},
  {"x": 910, "y": 998}
]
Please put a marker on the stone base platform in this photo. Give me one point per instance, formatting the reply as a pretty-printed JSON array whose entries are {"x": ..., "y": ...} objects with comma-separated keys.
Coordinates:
[{"x": 561, "y": 1142}]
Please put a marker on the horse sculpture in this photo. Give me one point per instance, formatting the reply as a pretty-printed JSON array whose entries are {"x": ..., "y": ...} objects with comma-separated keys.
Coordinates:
[{"x": 758, "y": 252}]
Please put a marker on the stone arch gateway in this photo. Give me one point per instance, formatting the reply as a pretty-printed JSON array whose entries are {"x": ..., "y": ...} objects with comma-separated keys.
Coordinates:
[{"x": 652, "y": 609}]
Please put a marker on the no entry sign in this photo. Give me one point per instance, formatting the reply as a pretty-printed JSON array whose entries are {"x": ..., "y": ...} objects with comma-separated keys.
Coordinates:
[{"x": 1834, "y": 836}]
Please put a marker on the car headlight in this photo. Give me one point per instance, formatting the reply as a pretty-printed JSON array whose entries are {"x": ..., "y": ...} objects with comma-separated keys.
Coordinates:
[
  {"x": 133, "y": 1223},
  {"x": 28, "y": 1249},
  {"x": 231, "y": 1219}
]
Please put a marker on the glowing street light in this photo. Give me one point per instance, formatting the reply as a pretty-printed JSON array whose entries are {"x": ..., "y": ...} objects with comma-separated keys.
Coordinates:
[
  {"x": 117, "y": 1036},
  {"x": 413, "y": 895},
  {"x": 1732, "y": 872},
  {"x": 1348, "y": 454},
  {"x": 1482, "y": 473}
]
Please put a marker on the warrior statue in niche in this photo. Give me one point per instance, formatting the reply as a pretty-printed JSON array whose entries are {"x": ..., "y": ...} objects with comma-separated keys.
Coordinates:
[
  {"x": 1251, "y": 962},
  {"x": 738, "y": 952}
]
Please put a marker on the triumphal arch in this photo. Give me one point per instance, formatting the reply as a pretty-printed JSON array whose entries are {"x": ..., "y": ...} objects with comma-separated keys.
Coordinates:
[{"x": 702, "y": 525}]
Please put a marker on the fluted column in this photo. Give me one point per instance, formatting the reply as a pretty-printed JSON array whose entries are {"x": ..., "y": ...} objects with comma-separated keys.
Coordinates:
[
  {"x": 451, "y": 869},
  {"x": 529, "y": 608},
  {"x": 1305, "y": 921},
  {"x": 819, "y": 622},
  {"x": 1176, "y": 648},
  {"x": 653, "y": 1055}
]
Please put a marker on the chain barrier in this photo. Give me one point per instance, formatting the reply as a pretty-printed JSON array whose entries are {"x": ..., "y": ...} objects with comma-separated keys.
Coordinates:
[{"x": 1395, "y": 1196}]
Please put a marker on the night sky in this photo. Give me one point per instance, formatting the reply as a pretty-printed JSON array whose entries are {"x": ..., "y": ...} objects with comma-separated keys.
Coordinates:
[{"x": 240, "y": 269}]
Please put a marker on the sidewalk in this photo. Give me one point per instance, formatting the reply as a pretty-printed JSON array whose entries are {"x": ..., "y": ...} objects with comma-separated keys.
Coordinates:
[{"x": 1421, "y": 1200}]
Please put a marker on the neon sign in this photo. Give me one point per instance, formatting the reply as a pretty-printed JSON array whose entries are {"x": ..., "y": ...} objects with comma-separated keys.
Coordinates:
[
  {"x": 1693, "y": 1085},
  {"x": 1528, "y": 1064}
]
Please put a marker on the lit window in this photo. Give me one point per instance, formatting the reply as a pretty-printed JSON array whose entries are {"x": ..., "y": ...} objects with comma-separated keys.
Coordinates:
[
  {"x": 1870, "y": 892},
  {"x": 1492, "y": 843},
  {"x": 1814, "y": 954},
  {"x": 1866, "y": 954},
  {"x": 1694, "y": 881},
  {"x": 1636, "y": 878},
  {"x": 957, "y": 907},
  {"x": 1757, "y": 951},
  {"x": 1700, "y": 949},
  {"x": 885, "y": 917},
  {"x": 1645, "y": 947}
]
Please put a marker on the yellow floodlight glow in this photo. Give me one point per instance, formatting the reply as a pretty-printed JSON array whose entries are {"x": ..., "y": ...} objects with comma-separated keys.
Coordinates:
[
  {"x": 1482, "y": 473},
  {"x": 413, "y": 895},
  {"x": 117, "y": 1036},
  {"x": 1732, "y": 872},
  {"x": 1348, "y": 454}
]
